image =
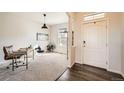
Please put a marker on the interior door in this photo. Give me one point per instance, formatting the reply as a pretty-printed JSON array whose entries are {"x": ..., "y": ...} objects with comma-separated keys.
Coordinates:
[{"x": 95, "y": 40}]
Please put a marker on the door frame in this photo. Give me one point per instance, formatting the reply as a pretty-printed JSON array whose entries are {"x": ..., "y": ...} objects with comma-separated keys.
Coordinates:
[
  {"x": 69, "y": 40},
  {"x": 107, "y": 41}
]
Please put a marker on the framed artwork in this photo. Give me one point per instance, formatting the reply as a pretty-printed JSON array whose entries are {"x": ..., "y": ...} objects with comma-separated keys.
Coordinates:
[{"x": 42, "y": 37}]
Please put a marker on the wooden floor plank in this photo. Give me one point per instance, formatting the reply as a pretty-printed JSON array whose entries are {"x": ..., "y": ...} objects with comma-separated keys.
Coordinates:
[{"x": 83, "y": 72}]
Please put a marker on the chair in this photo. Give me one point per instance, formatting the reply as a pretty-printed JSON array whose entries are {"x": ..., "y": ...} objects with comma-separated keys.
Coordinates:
[{"x": 9, "y": 54}]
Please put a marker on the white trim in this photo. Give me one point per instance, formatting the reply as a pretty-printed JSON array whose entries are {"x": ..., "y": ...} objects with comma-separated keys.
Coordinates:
[
  {"x": 80, "y": 62},
  {"x": 107, "y": 43},
  {"x": 92, "y": 21},
  {"x": 59, "y": 52},
  {"x": 115, "y": 71},
  {"x": 68, "y": 44},
  {"x": 122, "y": 75},
  {"x": 71, "y": 65}
]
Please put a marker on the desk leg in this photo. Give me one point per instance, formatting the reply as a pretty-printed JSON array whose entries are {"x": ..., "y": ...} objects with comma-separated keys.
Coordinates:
[
  {"x": 13, "y": 64},
  {"x": 33, "y": 54},
  {"x": 26, "y": 61},
  {"x": 24, "y": 57}
]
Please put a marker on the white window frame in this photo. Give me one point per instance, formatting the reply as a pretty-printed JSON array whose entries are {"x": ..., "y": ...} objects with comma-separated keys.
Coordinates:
[
  {"x": 61, "y": 31},
  {"x": 94, "y": 16}
]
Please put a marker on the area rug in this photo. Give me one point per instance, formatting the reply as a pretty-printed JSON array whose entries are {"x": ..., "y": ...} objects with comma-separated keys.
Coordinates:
[{"x": 45, "y": 67}]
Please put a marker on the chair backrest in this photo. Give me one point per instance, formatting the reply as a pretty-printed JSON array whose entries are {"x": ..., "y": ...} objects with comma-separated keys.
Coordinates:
[{"x": 7, "y": 50}]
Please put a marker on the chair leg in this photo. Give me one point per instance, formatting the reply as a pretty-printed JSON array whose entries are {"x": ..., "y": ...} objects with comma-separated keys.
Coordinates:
[
  {"x": 7, "y": 67},
  {"x": 16, "y": 63},
  {"x": 24, "y": 59}
]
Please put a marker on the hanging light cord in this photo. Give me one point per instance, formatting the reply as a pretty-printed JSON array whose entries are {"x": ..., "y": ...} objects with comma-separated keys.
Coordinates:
[{"x": 44, "y": 17}]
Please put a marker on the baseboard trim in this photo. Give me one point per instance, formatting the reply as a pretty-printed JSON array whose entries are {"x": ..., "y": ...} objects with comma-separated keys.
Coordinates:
[
  {"x": 115, "y": 71},
  {"x": 59, "y": 52},
  {"x": 78, "y": 62},
  {"x": 71, "y": 65},
  {"x": 122, "y": 75}
]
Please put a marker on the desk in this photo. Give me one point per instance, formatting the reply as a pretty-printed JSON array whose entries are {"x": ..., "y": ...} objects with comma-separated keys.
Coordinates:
[{"x": 25, "y": 52}]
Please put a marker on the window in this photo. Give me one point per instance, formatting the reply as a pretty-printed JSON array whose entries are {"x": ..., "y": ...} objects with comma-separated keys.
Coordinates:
[
  {"x": 42, "y": 37},
  {"x": 62, "y": 37},
  {"x": 94, "y": 16},
  {"x": 88, "y": 18}
]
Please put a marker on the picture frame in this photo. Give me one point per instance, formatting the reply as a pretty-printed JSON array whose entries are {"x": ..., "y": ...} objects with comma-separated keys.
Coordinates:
[{"x": 42, "y": 37}]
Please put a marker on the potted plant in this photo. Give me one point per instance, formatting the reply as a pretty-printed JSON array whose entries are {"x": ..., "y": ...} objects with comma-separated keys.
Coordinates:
[{"x": 50, "y": 47}]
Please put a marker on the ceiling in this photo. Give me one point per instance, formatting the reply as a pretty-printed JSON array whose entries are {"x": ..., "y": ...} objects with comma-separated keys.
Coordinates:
[{"x": 51, "y": 17}]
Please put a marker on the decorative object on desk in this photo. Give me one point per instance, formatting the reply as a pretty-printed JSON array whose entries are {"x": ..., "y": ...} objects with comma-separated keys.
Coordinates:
[
  {"x": 39, "y": 49},
  {"x": 30, "y": 46},
  {"x": 50, "y": 47},
  {"x": 42, "y": 37}
]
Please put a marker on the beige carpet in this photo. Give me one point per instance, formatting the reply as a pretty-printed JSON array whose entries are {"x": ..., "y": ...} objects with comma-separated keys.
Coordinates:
[{"x": 45, "y": 67}]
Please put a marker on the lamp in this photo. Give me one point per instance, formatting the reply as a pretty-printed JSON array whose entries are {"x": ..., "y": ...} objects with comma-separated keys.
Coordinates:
[{"x": 44, "y": 25}]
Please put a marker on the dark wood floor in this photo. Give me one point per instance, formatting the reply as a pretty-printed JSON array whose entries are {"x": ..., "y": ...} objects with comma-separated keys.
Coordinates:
[{"x": 88, "y": 73}]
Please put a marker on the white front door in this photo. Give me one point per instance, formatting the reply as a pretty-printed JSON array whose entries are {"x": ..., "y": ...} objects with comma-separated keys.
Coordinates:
[{"x": 94, "y": 44}]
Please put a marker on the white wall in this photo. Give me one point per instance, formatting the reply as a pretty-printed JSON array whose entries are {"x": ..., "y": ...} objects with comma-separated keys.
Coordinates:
[
  {"x": 78, "y": 37},
  {"x": 54, "y": 37},
  {"x": 114, "y": 40},
  {"x": 18, "y": 31}
]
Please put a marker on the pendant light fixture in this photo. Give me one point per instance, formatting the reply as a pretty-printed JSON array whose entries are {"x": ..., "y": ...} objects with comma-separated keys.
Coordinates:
[{"x": 44, "y": 25}]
